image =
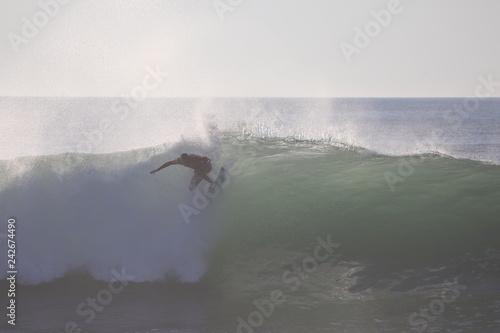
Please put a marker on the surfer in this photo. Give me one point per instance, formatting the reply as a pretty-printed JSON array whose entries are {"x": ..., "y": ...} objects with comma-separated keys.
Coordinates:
[{"x": 200, "y": 164}]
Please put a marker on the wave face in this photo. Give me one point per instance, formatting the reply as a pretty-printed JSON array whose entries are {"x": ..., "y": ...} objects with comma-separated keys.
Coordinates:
[
  {"x": 392, "y": 187},
  {"x": 105, "y": 212},
  {"x": 429, "y": 225}
]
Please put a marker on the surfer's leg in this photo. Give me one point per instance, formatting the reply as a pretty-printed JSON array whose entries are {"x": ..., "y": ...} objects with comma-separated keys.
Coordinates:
[
  {"x": 205, "y": 176},
  {"x": 195, "y": 181}
]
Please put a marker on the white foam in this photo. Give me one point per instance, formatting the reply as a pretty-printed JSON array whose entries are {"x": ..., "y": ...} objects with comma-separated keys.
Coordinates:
[{"x": 107, "y": 213}]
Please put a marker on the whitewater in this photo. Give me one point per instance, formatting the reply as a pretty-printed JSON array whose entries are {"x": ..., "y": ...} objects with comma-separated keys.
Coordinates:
[{"x": 407, "y": 189}]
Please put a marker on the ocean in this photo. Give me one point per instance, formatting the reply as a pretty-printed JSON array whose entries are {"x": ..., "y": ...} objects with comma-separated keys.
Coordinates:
[{"x": 338, "y": 215}]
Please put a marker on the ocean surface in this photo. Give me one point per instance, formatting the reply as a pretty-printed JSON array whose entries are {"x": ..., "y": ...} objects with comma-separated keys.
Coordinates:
[{"x": 339, "y": 215}]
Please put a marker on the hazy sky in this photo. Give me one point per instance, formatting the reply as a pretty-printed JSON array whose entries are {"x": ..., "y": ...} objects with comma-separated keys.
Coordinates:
[{"x": 289, "y": 48}]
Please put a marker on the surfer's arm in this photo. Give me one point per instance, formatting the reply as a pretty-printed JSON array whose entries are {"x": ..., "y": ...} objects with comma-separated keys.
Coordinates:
[{"x": 165, "y": 165}]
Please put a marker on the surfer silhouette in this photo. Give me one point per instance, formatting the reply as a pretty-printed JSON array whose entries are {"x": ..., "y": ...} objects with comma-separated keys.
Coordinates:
[{"x": 200, "y": 164}]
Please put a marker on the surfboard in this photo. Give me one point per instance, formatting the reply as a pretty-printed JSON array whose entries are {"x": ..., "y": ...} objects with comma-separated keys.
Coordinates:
[{"x": 216, "y": 185}]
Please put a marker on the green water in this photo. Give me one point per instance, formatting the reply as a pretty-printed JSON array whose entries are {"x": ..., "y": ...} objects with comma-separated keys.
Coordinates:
[{"x": 398, "y": 251}]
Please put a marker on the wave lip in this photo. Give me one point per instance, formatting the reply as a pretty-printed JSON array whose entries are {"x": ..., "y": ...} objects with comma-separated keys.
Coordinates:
[{"x": 392, "y": 127}]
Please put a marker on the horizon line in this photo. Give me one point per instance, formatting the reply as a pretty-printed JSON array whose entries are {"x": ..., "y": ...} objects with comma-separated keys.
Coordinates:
[{"x": 257, "y": 97}]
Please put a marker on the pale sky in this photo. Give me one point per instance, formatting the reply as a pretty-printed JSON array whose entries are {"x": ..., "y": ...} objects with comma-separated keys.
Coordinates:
[{"x": 277, "y": 48}]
